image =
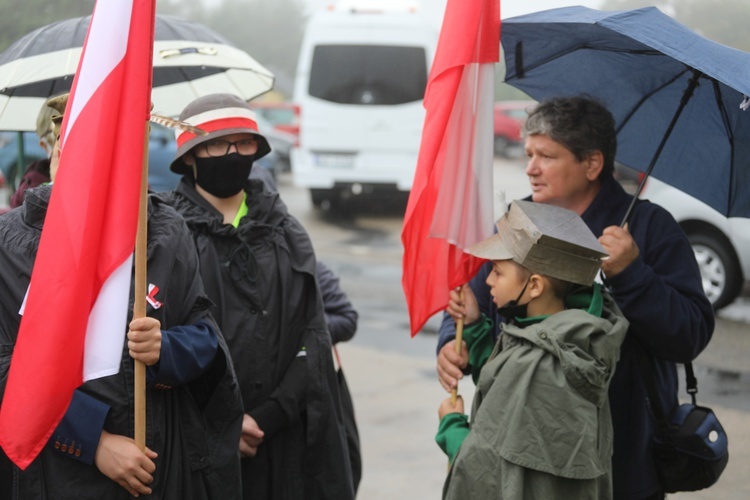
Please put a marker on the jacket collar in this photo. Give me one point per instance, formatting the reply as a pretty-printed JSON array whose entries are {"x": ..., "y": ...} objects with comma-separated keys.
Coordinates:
[
  {"x": 265, "y": 206},
  {"x": 609, "y": 205}
]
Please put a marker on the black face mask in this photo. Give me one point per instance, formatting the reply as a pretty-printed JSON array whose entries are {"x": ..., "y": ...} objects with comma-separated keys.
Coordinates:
[
  {"x": 223, "y": 176},
  {"x": 512, "y": 309}
]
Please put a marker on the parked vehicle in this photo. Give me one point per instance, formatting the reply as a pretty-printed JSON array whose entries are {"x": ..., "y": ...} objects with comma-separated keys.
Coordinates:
[
  {"x": 281, "y": 146},
  {"x": 161, "y": 152},
  {"x": 162, "y": 148},
  {"x": 4, "y": 194},
  {"x": 508, "y": 124},
  {"x": 9, "y": 155},
  {"x": 360, "y": 83},
  {"x": 283, "y": 116},
  {"x": 721, "y": 244}
]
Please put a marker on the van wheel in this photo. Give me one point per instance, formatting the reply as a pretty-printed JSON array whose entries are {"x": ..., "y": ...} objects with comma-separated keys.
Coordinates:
[
  {"x": 720, "y": 269},
  {"x": 324, "y": 199}
]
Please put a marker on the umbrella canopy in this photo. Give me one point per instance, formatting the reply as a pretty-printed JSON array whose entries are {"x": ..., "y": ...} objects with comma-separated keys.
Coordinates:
[
  {"x": 676, "y": 96},
  {"x": 190, "y": 60}
]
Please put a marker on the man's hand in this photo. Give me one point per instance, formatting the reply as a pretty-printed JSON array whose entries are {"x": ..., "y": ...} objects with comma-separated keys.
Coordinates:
[
  {"x": 466, "y": 308},
  {"x": 252, "y": 437},
  {"x": 621, "y": 248},
  {"x": 450, "y": 365},
  {"x": 120, "y": 459},
  {"x": 144, "y": 340},
  {"x": 447, "y": 407}
]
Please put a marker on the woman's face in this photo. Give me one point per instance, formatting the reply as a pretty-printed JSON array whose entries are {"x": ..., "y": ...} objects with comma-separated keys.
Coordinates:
[{"x": 557, "y": 177}]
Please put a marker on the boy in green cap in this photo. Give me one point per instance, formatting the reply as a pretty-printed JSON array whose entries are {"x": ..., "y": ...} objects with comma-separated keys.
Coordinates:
[{"x": 540, "y": 424}]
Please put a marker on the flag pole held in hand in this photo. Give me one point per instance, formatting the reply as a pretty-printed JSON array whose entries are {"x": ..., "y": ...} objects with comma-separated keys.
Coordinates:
[
  {"x": 139, "y": 300},
  {"x": 459, "y": 342}
]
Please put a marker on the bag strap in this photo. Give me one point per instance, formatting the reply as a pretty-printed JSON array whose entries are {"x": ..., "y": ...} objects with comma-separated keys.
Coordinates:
[
  {"x": 691, "y": 383},
  {"x": 336, "y": 359}
]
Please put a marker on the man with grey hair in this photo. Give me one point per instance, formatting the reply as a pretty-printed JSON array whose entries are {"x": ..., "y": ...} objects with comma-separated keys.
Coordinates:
[{"x": 570, "y": 145}]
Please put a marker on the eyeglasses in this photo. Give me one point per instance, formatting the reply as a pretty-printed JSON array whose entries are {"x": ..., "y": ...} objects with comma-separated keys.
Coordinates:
[{"x": 220, "y": 147}]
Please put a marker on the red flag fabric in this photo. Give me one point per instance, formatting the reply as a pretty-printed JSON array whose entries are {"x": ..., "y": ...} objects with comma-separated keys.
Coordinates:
[
  {"x": 74, "y": 316},
  {"x": 450, "y": 205}
]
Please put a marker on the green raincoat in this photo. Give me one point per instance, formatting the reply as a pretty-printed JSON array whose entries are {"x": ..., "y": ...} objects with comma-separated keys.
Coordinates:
[{"x": 541, "y": 425}]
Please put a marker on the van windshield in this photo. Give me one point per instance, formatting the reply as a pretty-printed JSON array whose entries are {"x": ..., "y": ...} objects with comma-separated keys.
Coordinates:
[{"x": 368, "y": 74}]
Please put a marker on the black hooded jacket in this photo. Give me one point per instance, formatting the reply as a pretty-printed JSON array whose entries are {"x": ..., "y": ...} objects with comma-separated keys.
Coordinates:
[
  {"x": 261, "y": 276},
  {"x": 193, "y": 427}
]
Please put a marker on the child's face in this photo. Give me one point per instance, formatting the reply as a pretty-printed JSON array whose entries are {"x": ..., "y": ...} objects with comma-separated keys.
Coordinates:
[{"x": 506, "y": 280}]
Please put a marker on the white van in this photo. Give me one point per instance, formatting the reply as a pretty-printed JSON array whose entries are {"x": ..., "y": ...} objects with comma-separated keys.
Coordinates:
[{"x": 360, "y": 83}]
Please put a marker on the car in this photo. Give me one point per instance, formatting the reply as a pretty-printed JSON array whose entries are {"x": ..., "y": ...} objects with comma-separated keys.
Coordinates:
[
  {"x": 4, "y": 195},
  {"x": 9, "y": 155},
  {"x": 721, "y": 244},
  {"x": 161, "y": 152},
  {"x": 283, "y": 116},
  {"x": 509, "y": 117},
  {"x": 162, "y": 148},
  {"x": 281, "y": 145}
]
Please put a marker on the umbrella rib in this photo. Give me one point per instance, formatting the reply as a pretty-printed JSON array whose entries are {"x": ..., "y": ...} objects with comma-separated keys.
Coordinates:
[
  {"x": 725, "y": 121},
  {"x": 686, "y": 96},
  {"x": 521, "y": 70},
  {"x": 648, "y": 96}
]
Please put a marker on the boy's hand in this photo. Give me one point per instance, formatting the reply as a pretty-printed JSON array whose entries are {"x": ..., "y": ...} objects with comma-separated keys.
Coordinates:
[
  {"x": 447, "y": 407},
  {"x": 466, "y": 308},
  {"x": 450, "y": 365}
]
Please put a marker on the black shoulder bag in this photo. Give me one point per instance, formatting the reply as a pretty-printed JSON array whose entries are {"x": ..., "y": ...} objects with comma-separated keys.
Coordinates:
[{"x": 690, "y": 448}]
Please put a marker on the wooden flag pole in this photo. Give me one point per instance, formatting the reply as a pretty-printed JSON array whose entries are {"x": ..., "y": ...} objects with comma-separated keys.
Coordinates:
[
  {"x": 139, "y": 302},
  {"x": 459, "y": 342}
]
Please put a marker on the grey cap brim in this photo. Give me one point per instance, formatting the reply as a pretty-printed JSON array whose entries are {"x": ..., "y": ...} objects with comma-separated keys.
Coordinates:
[{"x": 493, "y": 248}]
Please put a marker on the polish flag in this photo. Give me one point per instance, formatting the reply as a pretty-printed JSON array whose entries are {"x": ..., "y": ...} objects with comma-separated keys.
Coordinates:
[
  {"x": 75, "y": 315},
  {"x": 450, "y": 205}
]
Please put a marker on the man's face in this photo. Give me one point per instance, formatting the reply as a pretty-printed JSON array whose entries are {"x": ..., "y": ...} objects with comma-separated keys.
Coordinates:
[
  {"x": 506, "y": 280},
  {"x": 556, "y": 176}
]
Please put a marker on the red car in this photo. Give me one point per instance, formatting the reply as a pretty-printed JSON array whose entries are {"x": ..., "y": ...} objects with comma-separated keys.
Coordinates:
[
  {"x": 509, "y": 119},
  {"x": 283, "y": 116}
]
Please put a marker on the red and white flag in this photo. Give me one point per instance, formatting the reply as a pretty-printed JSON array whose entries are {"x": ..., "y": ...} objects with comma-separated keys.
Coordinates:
[
  {"x": 450, "y": 205},
  {"x": 75, "y": 315}
]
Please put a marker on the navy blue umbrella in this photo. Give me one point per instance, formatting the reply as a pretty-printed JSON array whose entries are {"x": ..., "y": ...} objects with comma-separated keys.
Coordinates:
[{"x": 678, "y": 98}]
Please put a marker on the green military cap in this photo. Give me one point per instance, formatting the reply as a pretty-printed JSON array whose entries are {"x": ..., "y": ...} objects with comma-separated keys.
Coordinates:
[
  {"x": 546, "y": 240},
  {"x": 58, "y": 104}
]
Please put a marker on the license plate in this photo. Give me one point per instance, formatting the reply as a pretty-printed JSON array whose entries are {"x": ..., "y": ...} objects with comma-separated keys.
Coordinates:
[{"x": 333, "y": 160}]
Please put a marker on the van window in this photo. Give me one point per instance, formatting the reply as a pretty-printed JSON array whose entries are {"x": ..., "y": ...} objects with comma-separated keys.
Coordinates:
[{"x": 368, "y": 74}]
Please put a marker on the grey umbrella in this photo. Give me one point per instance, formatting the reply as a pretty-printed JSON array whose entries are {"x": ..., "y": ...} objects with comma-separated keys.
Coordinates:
[{"x": 190, "y": 60}]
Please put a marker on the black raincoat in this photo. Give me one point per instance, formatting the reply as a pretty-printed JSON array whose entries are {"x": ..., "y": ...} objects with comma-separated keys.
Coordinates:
[
  {"x": 194, "y": 428},
  {"x": 261, "y": 276}
]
